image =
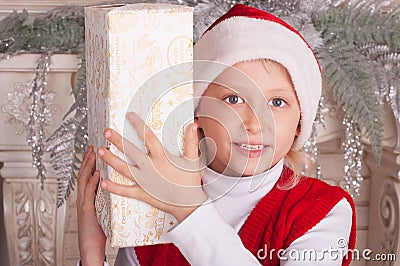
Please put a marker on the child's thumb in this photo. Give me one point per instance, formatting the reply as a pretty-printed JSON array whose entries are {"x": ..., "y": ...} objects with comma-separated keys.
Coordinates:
[{"x": 191, "y": 149}]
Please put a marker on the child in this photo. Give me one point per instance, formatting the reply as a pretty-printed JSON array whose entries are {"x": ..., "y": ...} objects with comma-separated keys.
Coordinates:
[{"x": 247, "y": 207}]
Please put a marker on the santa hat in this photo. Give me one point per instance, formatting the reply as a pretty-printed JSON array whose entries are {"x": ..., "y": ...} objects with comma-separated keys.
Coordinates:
[{"x": 246, "y": 33}]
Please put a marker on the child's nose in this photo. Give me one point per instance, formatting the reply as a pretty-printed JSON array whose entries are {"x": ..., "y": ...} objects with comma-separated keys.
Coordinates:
[
  {"x": 252, "y": 123},
  {"x": 257, "y": 122}
]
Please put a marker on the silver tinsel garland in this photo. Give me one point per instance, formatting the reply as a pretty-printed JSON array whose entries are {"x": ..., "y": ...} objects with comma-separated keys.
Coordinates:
[
  {"x": 5, "y": 44},
  {"x": 37, "y": 115},
  {"x": 65, "y": 143},
  {"x": 353, "y": 152},
  {"x": 311, "y": 147},
  {"x": 387, "y": 72},
  {"x": 71, "y": 138}
]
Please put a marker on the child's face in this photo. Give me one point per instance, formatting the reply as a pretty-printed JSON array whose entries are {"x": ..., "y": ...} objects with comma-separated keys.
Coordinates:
[{"x": 252, "y": 124}]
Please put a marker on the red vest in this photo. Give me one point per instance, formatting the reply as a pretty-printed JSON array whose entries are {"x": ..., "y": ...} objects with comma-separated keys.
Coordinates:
[{"x": 277, "y": 220}]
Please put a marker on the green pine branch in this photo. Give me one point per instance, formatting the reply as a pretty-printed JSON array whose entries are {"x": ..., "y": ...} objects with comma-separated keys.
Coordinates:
[
  {"x": 347, "y": 72},
  {"x": 62, "y": 30}
]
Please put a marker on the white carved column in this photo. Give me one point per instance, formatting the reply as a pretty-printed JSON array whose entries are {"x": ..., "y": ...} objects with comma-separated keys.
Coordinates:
[
  {"x": 30, "y": 213},
  {"x": 384, "y": 227},
  {"x": 34, "y": 225}
]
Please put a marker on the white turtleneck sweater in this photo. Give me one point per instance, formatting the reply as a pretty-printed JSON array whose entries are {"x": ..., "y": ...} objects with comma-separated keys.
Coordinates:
[{"x": 209, "y": 236}]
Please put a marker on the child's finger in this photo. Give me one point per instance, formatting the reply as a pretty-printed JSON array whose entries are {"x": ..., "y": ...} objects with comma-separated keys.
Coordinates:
[
  {"x": 122, "y": 190},
  {"x": 91, "y": 186},
  {"x": 86, "y": 155},
  {"x": 85, "y": 172},
  {"x": 151, "y": 141},
  {"x": 125, "y": 146},
  {"x": 191, "y": 150},
  {"x": 115, "y": 162}
]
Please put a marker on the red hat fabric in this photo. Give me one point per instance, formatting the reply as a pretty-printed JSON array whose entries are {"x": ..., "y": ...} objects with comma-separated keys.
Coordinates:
[{"x": 245, "y": 33}]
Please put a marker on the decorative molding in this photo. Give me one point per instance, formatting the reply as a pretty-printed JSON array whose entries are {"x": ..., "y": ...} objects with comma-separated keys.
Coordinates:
[
  {"x": 32, "y": 221},
  {"x": 24, "y": 224},
  {"x": 389, "y": 217},
  {"x": 36, "y": 233},
  {"x": 384, "y": 217},
  {"x": 18, "y": 104}
]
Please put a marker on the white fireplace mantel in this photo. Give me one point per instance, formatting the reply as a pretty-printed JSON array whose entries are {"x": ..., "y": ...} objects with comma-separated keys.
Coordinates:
[{"x": 33, "y": 224}]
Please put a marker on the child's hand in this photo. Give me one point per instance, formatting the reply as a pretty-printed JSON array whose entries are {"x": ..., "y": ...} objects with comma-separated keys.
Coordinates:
[
  {"x": 167, "y": 182},
  {"x": 91, "y": 238}
]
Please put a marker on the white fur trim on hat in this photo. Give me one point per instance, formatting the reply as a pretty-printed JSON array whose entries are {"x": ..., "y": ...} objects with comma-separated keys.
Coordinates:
[{"x": 239, "y": 38}]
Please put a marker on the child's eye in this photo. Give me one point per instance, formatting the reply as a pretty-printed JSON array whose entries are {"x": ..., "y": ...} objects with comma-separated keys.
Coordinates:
[
  {"x": 277, "y": 102},
  {"x": 233, "y": 99}
]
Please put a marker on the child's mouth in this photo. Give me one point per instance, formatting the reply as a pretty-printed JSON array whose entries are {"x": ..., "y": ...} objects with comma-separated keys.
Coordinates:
[
  {"x": 251, "y": 150},
  {"x": 252, "y": 147}
]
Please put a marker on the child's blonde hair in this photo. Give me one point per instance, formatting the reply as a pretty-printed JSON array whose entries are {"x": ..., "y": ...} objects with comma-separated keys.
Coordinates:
[{"x": 301, "y": 164}]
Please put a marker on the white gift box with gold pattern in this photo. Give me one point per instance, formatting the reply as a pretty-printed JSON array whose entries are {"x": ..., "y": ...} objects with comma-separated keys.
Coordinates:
[{"x": 132, "y": 54}]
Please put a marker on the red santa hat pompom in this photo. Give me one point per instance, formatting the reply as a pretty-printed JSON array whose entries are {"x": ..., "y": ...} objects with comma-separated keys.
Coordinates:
[{"x": 246, "y": 33}]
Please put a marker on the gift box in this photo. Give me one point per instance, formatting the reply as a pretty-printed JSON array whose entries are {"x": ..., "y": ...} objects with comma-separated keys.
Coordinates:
[{"x": 135, "y": 59}]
